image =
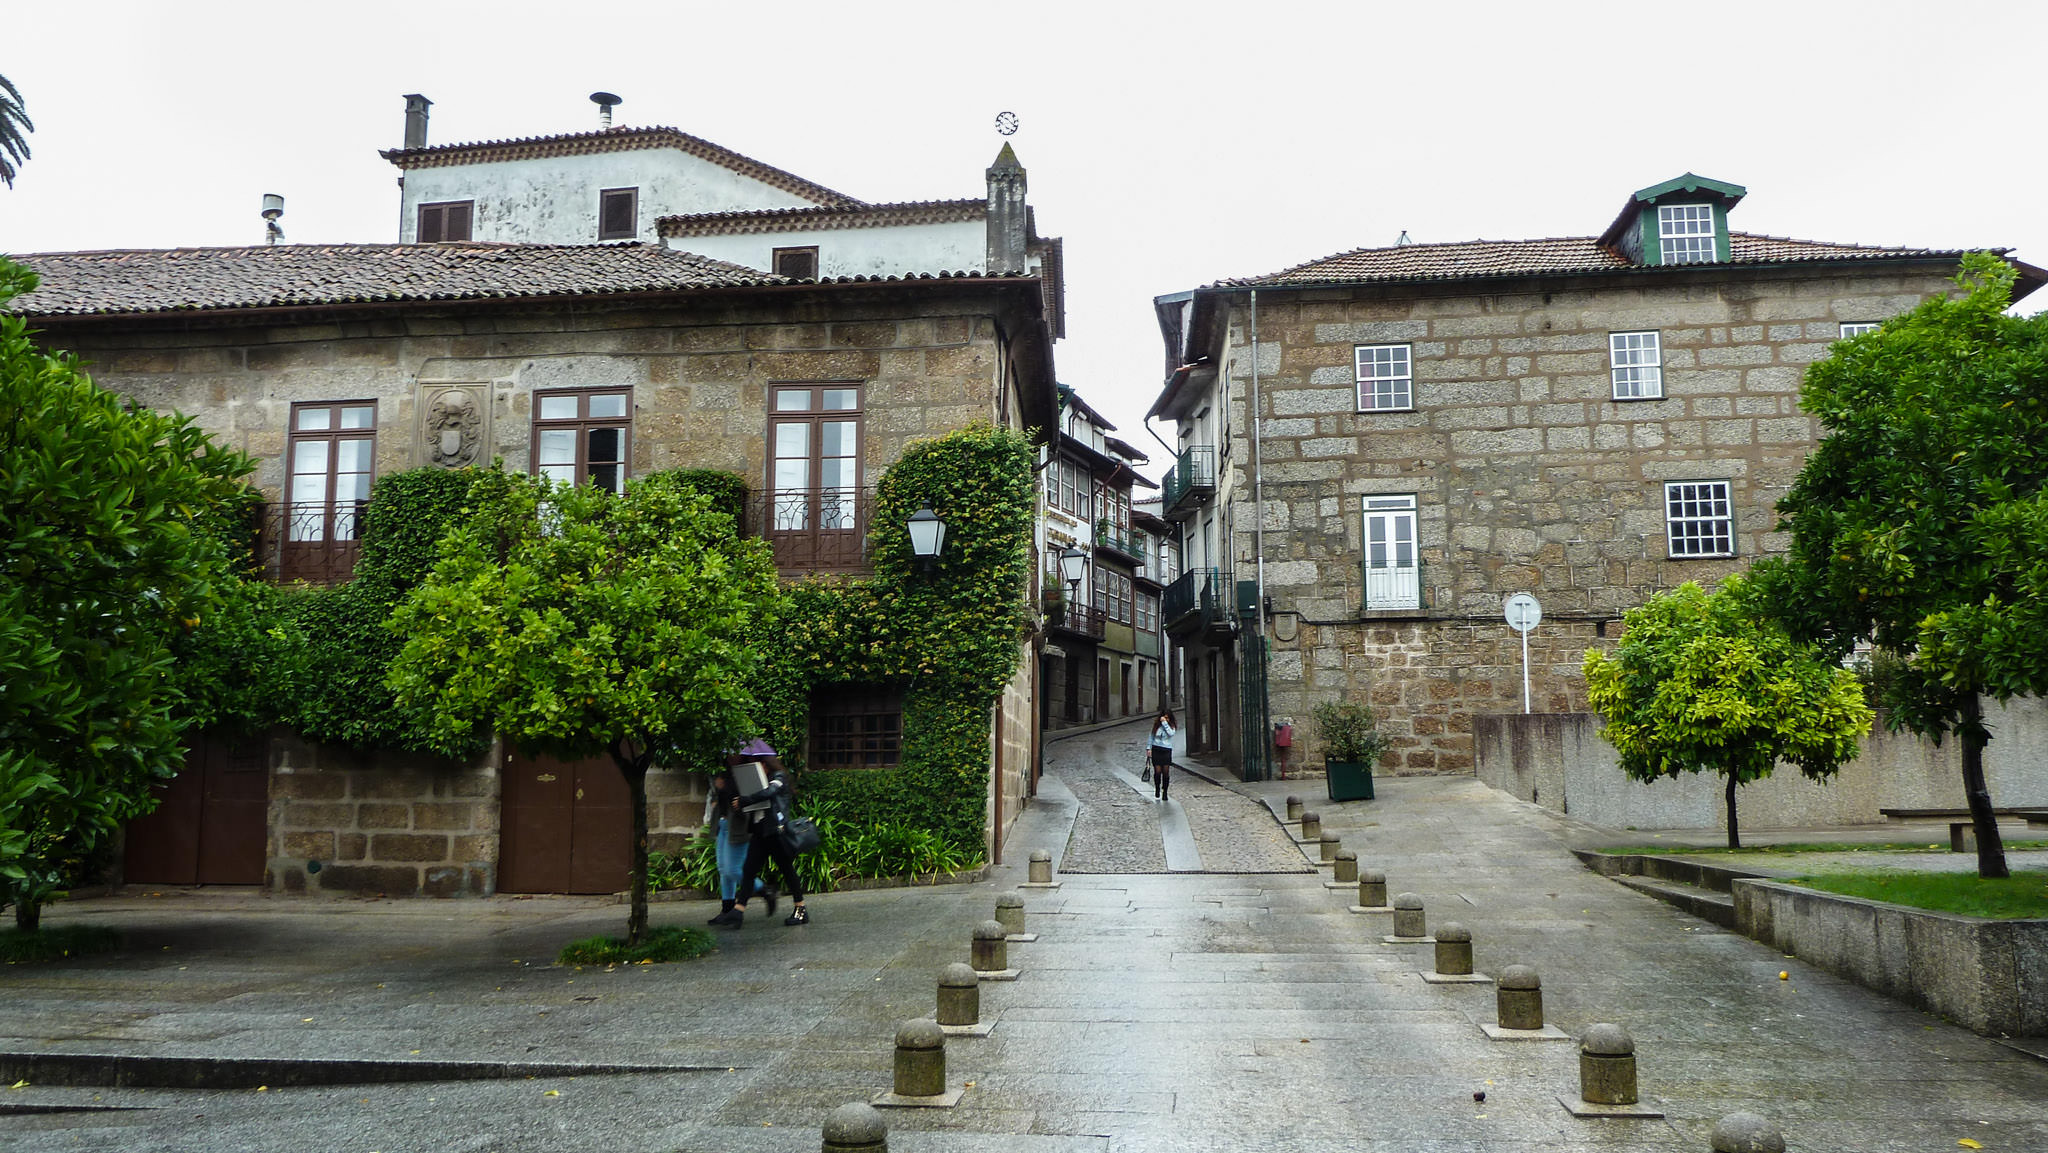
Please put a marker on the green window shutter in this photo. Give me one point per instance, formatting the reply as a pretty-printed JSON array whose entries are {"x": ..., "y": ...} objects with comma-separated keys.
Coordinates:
[
  {"x": 1653, "y": 234},
  {"x": 1721, "y": 251}
]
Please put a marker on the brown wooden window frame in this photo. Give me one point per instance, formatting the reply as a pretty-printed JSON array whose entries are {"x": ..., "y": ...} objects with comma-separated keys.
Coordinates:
[
  {"x": 857, "y": 726},
  {"x": 780, "y": 254},
  {"x": 583, "y": 424},
  {"x": 439, "y": 211},
  {"x": 605, "y": 199}
]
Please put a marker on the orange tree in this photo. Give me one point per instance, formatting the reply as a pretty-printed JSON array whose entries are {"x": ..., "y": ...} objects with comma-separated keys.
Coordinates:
[
  {"x": 576, "y": 623},
  {"x": 1920, "y": 522}
]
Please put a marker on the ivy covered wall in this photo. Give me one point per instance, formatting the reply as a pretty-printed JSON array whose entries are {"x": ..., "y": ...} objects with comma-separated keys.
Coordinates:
[{"x": 948, "y": 638}]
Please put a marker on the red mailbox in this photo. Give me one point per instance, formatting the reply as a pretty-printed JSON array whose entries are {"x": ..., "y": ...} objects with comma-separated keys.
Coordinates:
[{"x": 1283, "y": 736}]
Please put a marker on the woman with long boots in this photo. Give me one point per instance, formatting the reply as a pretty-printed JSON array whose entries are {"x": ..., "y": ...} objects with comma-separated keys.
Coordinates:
[
  {"x": 1162, "y": 755},
  {"x": 722, "y": 814},
  {"x": 767, "y": 811}
]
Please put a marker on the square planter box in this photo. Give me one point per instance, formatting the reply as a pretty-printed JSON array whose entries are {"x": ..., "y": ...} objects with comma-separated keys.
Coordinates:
[{"x": 1348, "y": 780}]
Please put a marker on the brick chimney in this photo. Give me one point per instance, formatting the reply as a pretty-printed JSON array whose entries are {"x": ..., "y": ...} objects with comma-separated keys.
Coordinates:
[
  {"x": 1006, "y": 213},
  {"x": 416, "y": 120}
]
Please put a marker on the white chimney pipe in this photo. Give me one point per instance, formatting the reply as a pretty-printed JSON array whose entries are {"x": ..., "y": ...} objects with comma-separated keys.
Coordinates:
[{"x": 604, "y": 101}]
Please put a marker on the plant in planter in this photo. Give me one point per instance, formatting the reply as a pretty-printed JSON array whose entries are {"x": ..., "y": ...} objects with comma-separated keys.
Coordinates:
[
  {"x": 1352, "y": 744},
  {"x": 1054, "y": 604}
]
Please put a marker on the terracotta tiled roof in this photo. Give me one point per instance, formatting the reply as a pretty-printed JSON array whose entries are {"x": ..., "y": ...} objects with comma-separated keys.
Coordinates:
[
  {"x": 827, "y": 216},
  {"x": 613, "y": 140},
  {"x": 1556, "y": 256},
  {"x": 152, "y": 281}
]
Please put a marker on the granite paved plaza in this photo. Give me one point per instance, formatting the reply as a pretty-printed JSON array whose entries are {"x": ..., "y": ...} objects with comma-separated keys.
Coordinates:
[{"x": 1157, "y": 1010}]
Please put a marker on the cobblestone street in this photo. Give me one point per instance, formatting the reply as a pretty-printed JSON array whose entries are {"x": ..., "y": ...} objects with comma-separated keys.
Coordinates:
[{"x": 1120, "y": 828}]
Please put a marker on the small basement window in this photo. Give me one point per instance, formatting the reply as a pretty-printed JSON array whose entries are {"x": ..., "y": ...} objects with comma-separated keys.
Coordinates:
[{"x": 856, "y": 727}]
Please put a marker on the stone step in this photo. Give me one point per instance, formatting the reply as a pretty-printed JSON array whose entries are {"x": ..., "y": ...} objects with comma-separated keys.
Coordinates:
[{"x": 1706, "y": 904}]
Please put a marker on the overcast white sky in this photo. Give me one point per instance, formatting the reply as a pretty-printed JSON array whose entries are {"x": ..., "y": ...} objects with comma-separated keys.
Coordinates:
[{"x": 1171, "y": 145}]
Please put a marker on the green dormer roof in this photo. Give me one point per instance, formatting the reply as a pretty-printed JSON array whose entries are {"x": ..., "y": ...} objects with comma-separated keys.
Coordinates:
[{"x": 1627, "y": 236}]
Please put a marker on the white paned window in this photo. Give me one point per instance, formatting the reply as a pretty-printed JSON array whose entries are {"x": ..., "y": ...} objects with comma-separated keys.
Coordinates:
[
  {"x": 1393, "y": 567},
  {"x": 1638, "y": 360},
  {"x": 1685, "y": 233},
  {"x": 1386, "y": 379},
  {"x": 1857, "y": 327},
  {"x": 1697, "y": 519},
  {"x": 332, "y": 461}
]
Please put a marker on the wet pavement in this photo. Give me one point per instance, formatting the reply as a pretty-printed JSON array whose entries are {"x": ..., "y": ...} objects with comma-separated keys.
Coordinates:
[{"x": 1157, "y": 1011}]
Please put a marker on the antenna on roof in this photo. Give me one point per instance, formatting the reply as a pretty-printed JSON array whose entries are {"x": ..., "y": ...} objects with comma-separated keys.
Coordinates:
[
  {"x": 1403, "y": 242},
  {"x": 605, "y": 102},
  {"x": 273, "y": 207}
]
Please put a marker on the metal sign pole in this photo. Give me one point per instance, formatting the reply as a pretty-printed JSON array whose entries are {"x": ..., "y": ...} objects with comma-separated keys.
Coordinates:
[{"x": 1523, "y": 614}]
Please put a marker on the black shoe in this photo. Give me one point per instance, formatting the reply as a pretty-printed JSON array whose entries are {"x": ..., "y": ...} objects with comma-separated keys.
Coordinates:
[
  {"x": 799, "y": 916},
  {"x": 724, "y": 907},
  {"x": 729, "y": 919},
  {"x": 768, "y": 894}
]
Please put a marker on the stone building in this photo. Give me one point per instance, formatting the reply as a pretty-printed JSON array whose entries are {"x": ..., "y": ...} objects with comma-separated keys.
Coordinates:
[
  {"x": 335, "y": 364},
  {"x": 1381, "y": 446}
]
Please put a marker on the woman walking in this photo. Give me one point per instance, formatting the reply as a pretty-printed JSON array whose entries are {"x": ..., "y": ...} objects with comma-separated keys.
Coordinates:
[
  {"x": 1162, "y": 754},
  {"x": 766, "y": 811},
  {"x": 730, "y": 846}
]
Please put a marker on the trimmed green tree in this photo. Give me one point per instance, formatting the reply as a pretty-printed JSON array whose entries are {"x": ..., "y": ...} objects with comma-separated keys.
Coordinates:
[
  {"x": 1919, "y": 522},
  {"x": 1709, "y": 682},
  {"x": 575, "y": 623},
  {"x": 116, "y": 549}
]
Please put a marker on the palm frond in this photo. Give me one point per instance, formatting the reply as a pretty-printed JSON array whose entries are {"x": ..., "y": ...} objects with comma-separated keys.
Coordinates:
[{"x": 14, "y": 129}]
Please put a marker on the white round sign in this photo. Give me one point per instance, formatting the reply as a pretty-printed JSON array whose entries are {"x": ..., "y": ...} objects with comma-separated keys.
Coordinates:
[{"x": 1523, "y": 612}]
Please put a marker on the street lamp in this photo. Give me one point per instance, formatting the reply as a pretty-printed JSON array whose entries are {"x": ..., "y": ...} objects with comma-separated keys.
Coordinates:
[
  {"x": 927, "y": 535},
  {"x": 1073, "y": 565}
]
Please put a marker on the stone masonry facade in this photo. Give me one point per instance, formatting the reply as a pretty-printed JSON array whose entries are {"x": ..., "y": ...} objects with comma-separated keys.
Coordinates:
[
  {"x": 1528, "y": 475},
  {"x": 339, "y": 821}
]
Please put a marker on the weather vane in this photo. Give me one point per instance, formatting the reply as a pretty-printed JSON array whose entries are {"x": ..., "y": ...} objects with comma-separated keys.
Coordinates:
[{"x": 1006, "y": 123}]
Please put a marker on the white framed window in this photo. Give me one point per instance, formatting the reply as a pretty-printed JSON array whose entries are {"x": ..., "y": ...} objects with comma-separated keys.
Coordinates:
[
  {"x": 1393, "y": 566},
  {"x": 1698, "y": 519},
  {"x": 1386, "y": 379},
  {"x": 1638, "y": 365},
  {"x": 1685, "y": 233},
  {"x": 1858, "y": 327}
]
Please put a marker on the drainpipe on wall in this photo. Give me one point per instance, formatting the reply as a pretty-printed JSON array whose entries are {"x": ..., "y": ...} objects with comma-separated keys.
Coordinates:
[{"x": 1258, "y": 475}]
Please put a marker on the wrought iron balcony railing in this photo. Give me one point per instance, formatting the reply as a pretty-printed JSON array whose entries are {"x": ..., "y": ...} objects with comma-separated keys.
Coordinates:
[
  {"x": 813, "y": 529},
  {"x": 1076, "y": 620},
  {"x": 1191, "y": 479},
  {"x": 1198, "y": 596},
  {"x": 314, "y": 543}
]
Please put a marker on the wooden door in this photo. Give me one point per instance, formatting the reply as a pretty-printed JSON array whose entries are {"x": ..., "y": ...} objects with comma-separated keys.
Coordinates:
[
  {"x": 1101, "y": 689},
  {"x": 564, "y": 827},
  {"x": 211, "y": 820}
]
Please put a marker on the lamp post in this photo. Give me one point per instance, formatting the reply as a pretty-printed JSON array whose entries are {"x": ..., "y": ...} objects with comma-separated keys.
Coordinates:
[
  {"x": 1073, "y": 566},
  {"x": 927, "y": 536}
]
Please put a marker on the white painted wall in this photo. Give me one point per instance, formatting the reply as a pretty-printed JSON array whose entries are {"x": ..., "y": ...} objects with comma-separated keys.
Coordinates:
[
  {"x": 956, "y": 246},
  {"x": 553, "y": 200}
]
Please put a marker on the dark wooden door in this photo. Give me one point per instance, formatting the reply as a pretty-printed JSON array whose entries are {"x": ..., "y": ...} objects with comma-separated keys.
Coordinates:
[
  {"x": 211, "y": 819},
  {"x": 1101, "y": 689},
  {"x": 564, "y": 827}
]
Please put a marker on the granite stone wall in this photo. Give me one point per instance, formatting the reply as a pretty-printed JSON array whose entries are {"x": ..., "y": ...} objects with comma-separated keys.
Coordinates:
[{"x": 1528, "y": 475}]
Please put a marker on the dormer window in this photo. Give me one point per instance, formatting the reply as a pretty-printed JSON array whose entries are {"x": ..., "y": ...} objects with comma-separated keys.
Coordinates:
[{"x": 1685, "y": 233}]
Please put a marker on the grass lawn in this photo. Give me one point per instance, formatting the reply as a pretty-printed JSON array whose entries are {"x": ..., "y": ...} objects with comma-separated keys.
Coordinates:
[
  {"x": 665, "y": 943},
  {"x": 2024, "y": 894},
  {"x": 57, "y": 943},
  {"x": 1669, "y": 850}
]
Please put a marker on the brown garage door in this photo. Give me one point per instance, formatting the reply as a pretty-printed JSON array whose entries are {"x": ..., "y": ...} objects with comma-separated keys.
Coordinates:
[
  {"x": 565, "y": 827},
  {"x": 209, "y": 824}
]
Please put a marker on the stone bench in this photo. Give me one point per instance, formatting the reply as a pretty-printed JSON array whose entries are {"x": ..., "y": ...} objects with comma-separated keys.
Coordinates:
[{"x": 1962, "y": 837}]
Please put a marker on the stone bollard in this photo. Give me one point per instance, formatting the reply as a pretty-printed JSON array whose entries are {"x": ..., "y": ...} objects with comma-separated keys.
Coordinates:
[
  {"x": 855, "y": 1128},
  {"x": 1294, "y": 808},
  {"x": 1347, "y": 867},
  {"x": 991, "y": 952},
  {"x": 1607, "y": 1066},
  {"x": 1010, "y": 911},
  {"x": 1372, "y": 889},
  {"x": 1453, "y": 950},
  {"x": 1311, "y": 826},
  {"x": 920, "y": 1059},
  {"x": 1331, "y": 843},
  {"x": 1520, "y": 998},
  {"x": 1747, "y": 1133},
  {"x": 959, "y": 995},
  {"x": 1408, "y": 921},
  {"x": 1041, "y": 867}
]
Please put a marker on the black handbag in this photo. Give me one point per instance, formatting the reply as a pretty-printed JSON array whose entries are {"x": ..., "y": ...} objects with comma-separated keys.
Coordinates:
[{"x": 800, "y": 836}]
